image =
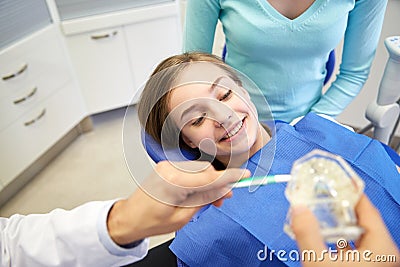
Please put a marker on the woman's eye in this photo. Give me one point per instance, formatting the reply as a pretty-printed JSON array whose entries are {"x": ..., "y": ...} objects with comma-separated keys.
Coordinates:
[
  {"x": 199, "y": 120},
  {"x": 226, "y": 96}
]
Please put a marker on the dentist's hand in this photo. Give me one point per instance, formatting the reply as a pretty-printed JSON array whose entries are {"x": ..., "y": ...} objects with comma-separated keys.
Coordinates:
[
  {"x": 168, "y": 199},
  {"x": 376, "y": 237}
]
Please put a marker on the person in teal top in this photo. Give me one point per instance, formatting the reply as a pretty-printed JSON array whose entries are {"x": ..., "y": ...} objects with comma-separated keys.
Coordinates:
[{"x": 283, "y": 46}]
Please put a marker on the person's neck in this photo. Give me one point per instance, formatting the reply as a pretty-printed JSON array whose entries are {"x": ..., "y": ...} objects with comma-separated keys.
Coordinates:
[{"x": 238, "y": 160}]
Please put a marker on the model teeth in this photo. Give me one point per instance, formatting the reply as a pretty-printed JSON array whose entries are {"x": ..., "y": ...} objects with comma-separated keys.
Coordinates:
[{"x": 234, "y": 130}]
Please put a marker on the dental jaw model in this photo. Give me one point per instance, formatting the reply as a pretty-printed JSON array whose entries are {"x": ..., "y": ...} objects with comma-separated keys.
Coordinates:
[{"x": 329, "y": 187}]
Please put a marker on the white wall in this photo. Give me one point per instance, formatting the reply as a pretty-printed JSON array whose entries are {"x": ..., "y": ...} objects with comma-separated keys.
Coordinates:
[{"x": 355, "y": 113}]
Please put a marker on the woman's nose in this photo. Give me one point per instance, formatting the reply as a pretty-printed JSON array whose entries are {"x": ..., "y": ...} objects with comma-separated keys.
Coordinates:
[
  {"x": 223, "y": 121},
  {"x": 218, "y": 124}
]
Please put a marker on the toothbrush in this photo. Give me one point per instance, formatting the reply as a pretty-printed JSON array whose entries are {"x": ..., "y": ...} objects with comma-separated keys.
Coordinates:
[{"x": 262, "y": 180}]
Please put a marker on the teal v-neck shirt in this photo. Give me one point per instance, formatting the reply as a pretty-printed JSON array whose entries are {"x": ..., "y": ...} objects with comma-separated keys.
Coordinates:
[{"x": 286, "y": 58}]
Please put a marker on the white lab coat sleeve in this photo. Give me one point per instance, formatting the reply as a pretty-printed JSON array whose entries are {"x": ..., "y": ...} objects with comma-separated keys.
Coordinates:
[{"x": 78, "y": 237}]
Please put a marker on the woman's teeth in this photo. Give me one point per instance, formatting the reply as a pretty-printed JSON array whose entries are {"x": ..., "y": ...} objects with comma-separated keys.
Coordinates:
[{"x": 234, "y": 131}]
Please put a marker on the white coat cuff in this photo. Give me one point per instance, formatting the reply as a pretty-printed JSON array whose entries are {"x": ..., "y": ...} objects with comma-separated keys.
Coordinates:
[{"x": 139, "y": 251}]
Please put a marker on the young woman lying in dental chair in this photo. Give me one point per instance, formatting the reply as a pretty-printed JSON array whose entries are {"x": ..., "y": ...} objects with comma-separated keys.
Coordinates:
[{"x": 198, "y": 103}]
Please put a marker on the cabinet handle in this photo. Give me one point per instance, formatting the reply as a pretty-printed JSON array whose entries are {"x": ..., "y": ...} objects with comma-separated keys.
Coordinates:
[
  {"x": 36, "y": 119},
  {"x": 104, "y": 36},
  {"x": 17, "y": 73},
  {"x": 22, "y": 99}
]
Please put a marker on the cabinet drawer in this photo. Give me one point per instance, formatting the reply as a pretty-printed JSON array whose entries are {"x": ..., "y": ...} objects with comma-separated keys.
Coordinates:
[
  {"x": 23, "y": 62},
  {"x": 100, "y": 59},
  {"x": 30, "y": 136},
  {"x": 14, "y": 106}
]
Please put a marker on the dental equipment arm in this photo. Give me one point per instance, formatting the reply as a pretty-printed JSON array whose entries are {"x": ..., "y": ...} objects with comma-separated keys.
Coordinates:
[{"x": 384, "y": 112}]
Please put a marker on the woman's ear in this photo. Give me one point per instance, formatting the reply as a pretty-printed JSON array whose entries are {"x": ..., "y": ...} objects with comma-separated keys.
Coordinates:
[{"x": 188, "y": 142}]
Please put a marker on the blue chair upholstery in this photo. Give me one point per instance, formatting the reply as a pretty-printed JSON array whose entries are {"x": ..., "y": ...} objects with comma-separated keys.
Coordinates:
[
  {"x": 330, "y": 66},
  {"x": 157, "y": 153}
]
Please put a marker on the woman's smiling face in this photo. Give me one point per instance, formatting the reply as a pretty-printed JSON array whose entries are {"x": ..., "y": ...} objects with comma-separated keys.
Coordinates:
[{"x": 216, "y": 116}]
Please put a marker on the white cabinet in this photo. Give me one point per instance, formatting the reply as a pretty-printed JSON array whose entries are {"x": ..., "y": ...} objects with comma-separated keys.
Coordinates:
[
  {"x": 101, "y": 62},
  {"x": 30, "y": 71},
  {"x": 44, "y": 94},
  {"x": 114, "y": 53},
  {"x": 40, "y": 100},
  {"x": 38, "y": 130},
  {"x": 149, "y": 42}
]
